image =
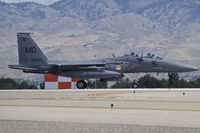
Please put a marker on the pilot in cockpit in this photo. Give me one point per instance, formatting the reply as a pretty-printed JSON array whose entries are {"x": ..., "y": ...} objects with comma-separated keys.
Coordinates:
[
  {"x": 132, "y": 54},
  {"x": 153, "y": 56},
  {"x": 149, "y": 55}
]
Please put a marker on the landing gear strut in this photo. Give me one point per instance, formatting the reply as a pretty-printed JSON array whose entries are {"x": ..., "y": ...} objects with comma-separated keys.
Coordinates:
[
  {"x": 82, "y": 84},
  {"x": 173, "y": 77},
  {"x": 169, "y": 80}
]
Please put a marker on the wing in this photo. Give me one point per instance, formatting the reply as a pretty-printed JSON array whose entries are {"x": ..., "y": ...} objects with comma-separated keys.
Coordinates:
[
  {"x": 65, "y": 66},
  {"x": 79, "y": 65}
]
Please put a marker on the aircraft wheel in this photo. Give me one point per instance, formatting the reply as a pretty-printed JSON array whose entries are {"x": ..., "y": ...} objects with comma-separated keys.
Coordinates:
[
  {"x": 135, "y": 85},
  {"x": 81, "y": 84}
]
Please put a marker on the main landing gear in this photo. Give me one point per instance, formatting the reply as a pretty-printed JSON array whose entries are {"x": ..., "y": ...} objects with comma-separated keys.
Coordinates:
[{"x": 82, "y": 84}]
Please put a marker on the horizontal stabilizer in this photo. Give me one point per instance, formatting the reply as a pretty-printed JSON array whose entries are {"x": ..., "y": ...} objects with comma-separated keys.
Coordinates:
[{"x": 20, "y": 67}]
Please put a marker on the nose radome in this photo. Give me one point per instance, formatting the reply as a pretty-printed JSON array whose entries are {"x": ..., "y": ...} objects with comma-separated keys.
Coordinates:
[
  {"x": 189, "y": 68},
  {"x": 181, "y": 67}
]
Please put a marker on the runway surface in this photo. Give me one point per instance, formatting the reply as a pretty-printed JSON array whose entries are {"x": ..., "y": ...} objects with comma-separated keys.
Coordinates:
[{"x": 172, "y": 108}]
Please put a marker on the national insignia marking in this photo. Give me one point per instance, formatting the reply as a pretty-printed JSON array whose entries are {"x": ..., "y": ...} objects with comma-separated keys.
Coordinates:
[{"x": 118, "y": 67}]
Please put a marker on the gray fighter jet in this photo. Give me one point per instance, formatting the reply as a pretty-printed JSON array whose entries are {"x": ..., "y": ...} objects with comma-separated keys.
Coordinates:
[{"x": 32, "y": 60}]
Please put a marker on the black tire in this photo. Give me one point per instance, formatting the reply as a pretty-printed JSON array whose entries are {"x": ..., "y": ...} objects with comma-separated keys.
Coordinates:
[
  {"x": 135, "y": 85},
  {"x": 81, "y": 84}
]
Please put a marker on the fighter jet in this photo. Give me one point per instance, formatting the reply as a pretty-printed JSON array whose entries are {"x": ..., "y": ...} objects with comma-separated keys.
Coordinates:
[{"x": 32, "y": 60}]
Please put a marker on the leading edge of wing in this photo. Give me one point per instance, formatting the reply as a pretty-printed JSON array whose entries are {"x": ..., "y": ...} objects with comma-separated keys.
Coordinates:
[
  {"x": 85, "y": 63},
  {"x": 77, "y": 63}
]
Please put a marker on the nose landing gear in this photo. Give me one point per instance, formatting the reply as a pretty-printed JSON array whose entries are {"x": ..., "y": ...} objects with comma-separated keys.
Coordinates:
[{"x": 135, "y": 84}]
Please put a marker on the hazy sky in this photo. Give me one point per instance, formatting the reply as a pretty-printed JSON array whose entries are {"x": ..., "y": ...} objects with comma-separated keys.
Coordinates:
[{"x": 46, "y": 2}]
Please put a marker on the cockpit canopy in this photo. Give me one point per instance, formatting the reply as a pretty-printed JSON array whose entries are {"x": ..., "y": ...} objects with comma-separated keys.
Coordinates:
[{"x": 149, "y": 55}]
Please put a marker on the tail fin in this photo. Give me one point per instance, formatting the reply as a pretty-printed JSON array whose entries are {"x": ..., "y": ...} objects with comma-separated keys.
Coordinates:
[{"x": 29, "y": 53}]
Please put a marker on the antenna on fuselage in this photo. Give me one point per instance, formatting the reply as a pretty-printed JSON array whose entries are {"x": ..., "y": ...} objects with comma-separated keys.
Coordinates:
[
  {"x": 113, "y": 55},
  {"x": 142, "y": 55}
]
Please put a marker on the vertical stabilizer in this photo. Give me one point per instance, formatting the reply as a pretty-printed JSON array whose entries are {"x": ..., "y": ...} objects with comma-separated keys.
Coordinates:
[{"x": 29, "y": 53}]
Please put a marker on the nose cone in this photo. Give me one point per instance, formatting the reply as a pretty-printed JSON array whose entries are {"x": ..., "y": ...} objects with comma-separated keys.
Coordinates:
[
  {"x": 179, "y": 67},
  {"x": 187, "y": 68}
]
